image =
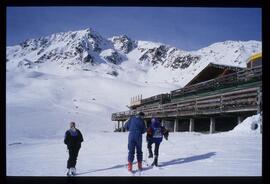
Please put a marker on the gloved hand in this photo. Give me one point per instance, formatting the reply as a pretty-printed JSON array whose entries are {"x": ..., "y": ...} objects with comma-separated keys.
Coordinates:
[
  {"x": 149, "y": 131},
  {"x": 166, "y": 137},
  {"x": 148, "y": 134},
  {"x": 148, "y": 137},
  {"x": 166, "y": 134}
]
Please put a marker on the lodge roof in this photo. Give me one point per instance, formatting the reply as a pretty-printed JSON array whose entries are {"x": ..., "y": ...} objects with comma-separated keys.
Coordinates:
[{"x": 211, "y": 71}]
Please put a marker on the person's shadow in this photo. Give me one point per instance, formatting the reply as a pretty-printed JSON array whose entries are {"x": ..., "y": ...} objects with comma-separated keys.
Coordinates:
[
  {"x": 104, "y": 169},
  {"x": 187, "y": 159},
  {"x": 162, "y": 164}
]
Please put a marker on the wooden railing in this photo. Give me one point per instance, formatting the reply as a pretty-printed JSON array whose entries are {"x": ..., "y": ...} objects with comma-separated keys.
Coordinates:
[
  {"x": 244, "y": 100},
  {"x": 227, "y": 80},
  {"x": 156, "y": 98}
]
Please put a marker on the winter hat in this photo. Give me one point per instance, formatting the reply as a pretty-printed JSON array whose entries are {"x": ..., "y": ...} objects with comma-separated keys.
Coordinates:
[
  {"x": 155, "y": 122},
  {"x": 72, "y": 124},
  {"x": 140, "y": 113}
]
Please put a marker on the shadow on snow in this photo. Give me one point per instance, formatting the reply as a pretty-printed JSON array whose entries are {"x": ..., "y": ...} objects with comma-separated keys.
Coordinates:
[
  {"x": 163, "y": 164},
  {"x": 104, "y": 169},
  {"x": 188, "y": 159}
]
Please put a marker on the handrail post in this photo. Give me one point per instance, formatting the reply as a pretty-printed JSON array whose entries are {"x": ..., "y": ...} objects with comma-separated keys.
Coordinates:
[
  {"x": 196, "y": 108},
  {"x": 259, "y": 100},
  {"x": 221, "y": 103}
]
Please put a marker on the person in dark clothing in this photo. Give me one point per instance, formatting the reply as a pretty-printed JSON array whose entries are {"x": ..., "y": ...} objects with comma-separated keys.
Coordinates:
[
  {"x": 154, "y": 135},
  {"x": 73, "y": 139},
  {"x": 136, "y": 127}
]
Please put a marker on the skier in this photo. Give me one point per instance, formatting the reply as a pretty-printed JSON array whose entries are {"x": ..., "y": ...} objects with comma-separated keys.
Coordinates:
[
  {"x": 155, "y": 134},
  {"x": 73, "y": 139},
  {"x": 136, "y": 127}
]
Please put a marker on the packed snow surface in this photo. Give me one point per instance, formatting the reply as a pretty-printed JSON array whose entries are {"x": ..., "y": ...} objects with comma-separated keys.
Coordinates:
[{"x": 105, "y": 154}]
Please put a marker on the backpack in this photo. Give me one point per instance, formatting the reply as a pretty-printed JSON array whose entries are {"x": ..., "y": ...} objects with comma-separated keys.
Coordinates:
[{"x": 157, "y": 132}]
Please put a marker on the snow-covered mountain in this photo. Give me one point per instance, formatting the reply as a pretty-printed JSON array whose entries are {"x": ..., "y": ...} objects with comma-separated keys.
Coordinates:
[{"x": 120, "y": 56}]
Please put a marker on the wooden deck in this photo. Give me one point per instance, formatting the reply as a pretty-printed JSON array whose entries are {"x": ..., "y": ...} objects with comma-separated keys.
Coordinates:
[
  {"x": 245, "y": 100},
  {"x": 234, "y": 93}
]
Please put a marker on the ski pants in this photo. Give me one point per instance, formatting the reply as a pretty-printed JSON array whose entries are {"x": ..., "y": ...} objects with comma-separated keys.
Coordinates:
[
  {"x": 149, "y": 146},
  {"x": 73, "y": 154},
  {"x": 135, "y": 142}
]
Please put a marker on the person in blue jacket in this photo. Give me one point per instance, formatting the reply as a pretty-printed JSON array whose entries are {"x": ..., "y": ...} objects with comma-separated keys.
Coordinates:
[
  {"x": 154, "y": 135},
  {"x": 136, "y": 127}
]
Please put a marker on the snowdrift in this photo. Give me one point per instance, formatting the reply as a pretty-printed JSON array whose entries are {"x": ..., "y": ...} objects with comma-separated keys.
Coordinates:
[{"x": 250, "y": 126}]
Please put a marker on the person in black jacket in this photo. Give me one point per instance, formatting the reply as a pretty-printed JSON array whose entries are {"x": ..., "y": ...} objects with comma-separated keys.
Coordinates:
[{"x": 73, "y": 139}]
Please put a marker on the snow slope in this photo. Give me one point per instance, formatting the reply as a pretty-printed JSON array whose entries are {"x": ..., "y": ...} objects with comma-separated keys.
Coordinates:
[
  {"x": 105, "y": 154},
  {"x": 44, "y": 103}
]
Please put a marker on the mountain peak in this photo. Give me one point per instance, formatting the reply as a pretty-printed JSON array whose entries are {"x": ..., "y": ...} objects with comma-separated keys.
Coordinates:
[{"x": 123, "y": 43}]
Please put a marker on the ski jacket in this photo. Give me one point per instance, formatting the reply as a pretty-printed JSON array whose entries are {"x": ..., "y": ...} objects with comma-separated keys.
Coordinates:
[
  {"x": 73, "y": 139},
  {"x": 136, "y": 127}
]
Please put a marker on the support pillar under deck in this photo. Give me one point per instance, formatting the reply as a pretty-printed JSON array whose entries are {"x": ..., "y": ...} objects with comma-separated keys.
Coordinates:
[
  {"x": 212, "y": 125},
  {"x": 239, "y": 119},
  {"x": 176, "y": 125},
  {"x": 191, "y": 125},
  {"x": 122, "y": 127}
]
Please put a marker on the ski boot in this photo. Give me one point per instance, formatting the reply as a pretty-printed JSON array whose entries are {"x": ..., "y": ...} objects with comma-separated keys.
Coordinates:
[
  {"x": 69, "y": 172},
  {"x": 139, "y": 166},
  {"x": 155, "y": 162},
  {"x": 150, "y": 154},
  {"x": 129, "y": 166},
  {"x": 73, "y": 171}
]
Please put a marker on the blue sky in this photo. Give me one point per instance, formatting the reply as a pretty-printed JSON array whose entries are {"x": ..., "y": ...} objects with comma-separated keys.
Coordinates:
[{"x": 182, "y": 27}]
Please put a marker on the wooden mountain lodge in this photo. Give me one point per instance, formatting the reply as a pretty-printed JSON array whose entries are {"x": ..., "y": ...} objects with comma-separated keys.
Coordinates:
[{"x": 215, "y": 100}]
